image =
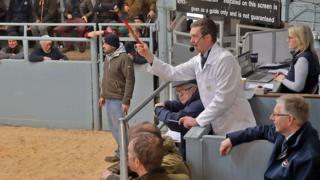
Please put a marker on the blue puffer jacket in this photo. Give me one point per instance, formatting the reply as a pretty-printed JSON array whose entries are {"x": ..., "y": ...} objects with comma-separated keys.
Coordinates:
[{"x": 300, "y": 160}]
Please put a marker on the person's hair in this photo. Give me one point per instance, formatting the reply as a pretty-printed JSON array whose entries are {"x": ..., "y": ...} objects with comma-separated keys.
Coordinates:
[
  {"x": 45, "y": 41},
  {"x": 295, "y": 105},
  {"x": 207, "y": 27},
  {"x": 144, "y": 127},
  {"x": 148, "y": 149},
  {"x": 303, "y": 36}
]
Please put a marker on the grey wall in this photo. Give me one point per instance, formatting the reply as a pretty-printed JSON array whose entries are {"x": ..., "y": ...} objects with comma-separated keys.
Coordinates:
[{"x": 47, "y": 94}]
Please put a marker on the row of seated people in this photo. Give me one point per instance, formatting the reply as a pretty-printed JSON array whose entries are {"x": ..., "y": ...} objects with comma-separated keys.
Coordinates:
[
  {"x": 47, "y": 50},
  {"x": 76, "y": 11},
  {"x": 14, "y": 50}
]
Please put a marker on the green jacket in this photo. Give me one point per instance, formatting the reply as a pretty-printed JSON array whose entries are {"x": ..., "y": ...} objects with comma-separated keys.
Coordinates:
[{"x": 118, "y": 77}]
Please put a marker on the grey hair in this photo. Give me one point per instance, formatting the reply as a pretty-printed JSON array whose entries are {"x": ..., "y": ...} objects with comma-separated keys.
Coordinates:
[
  {"x": 45, "y": 41},
  {"x": 296, "y": 106}
]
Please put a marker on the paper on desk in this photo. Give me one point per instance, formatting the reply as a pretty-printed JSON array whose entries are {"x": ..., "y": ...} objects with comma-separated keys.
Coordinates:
[
  {"x": 270, "y": 65},
  {"x": 283, "y": 71},
  {"x": 265, "y": 85}
]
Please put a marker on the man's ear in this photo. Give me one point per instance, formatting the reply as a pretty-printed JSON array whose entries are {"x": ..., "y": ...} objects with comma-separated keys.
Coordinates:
[
  {"x": 137, "y": 162},
  {"x": 291, "y": 119},
  {"x": 208, "y": 37}
]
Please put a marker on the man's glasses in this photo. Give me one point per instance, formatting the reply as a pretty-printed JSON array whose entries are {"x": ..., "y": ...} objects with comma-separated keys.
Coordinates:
[{"x": 272, "y": 115}]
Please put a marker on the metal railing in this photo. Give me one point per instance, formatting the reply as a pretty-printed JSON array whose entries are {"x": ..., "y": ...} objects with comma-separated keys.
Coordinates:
[
  {"x": 93, "y": 41},
  {"x": 94, "y": 58},
  {"x": 177, "y": 32},
  {"x": 124, "y": 134},
  {"x": 150, "y": 26}
]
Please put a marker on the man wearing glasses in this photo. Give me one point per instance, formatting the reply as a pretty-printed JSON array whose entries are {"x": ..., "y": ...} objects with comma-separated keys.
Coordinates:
[{"x": 296, "y": 153}]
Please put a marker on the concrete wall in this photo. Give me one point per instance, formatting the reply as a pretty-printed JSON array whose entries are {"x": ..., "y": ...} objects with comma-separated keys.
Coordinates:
[{"x": 47, "y": 94}]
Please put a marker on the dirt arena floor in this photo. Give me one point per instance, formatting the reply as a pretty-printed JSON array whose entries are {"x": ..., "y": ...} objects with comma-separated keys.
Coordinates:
[{"x": 44, "y": 154}]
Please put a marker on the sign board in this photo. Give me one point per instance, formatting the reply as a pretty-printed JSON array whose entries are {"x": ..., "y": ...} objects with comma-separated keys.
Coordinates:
[{"x": 252, "y": 11}]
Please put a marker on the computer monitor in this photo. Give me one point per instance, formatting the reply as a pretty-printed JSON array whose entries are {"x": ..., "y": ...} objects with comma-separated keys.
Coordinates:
[
  {"x": 282, "y": 52},
  {"x": 262, "y": 43},
  {"x": 271, "y": 46}
]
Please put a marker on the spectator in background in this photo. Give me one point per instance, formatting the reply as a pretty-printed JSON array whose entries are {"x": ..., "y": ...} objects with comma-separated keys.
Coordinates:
[
  {"x": 117, "y": 86},
  {"x": 296, "y": 153},
  {"x": 77, "y": 11},
  {"x": 19, "y": 11},
  {"x": 3, "y": 11},
  {"x": 13, "y": 50},
  {"x": 146, "y": 9},
  {"x": 189, "y": 104},
  {"x": 130, "y": 48},
  {"x": 304, "y": 69},
  {"x": 46, "y": 52},
  {"x": 104, "y": 12},
  {"x": 46, "y": 11}
]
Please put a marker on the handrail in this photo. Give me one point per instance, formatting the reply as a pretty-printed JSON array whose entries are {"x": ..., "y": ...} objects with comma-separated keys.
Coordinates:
[{"x": 123, "y": 131}]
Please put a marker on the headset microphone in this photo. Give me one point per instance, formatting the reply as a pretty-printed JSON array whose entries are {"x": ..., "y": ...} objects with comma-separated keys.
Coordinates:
[{"x": 191, "y": 49}]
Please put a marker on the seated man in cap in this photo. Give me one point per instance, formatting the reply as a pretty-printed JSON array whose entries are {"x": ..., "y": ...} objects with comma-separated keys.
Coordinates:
[
  {"x": 46, "y": 52},
  {"x": 189, "y": 104},
  {"x": 13, "y": 50}
]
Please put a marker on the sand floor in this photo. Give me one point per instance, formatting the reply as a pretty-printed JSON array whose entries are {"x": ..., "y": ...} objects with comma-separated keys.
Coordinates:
[{"x": 39, "y": 153}]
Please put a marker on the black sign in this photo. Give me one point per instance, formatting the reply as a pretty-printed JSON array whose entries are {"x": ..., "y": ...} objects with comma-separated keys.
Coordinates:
[{"x": 254, "y": 11}]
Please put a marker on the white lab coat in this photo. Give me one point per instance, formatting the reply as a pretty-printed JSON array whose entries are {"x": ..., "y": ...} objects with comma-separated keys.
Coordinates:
[{"x": 222, "y": 95}]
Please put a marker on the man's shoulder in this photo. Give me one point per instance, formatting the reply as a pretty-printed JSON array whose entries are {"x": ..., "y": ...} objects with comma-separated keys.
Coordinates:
[
  {"x": 124, "y": 56},
  {"x": 221, "y": 54}
]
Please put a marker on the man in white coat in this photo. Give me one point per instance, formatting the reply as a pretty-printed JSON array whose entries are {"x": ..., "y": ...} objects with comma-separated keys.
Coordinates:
[{"x": 218, "y": 77}]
